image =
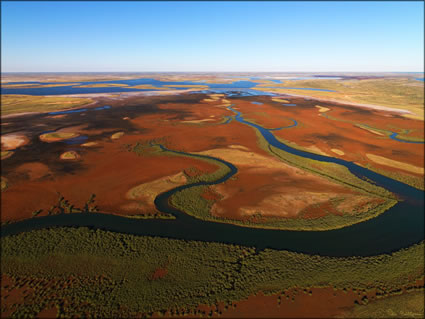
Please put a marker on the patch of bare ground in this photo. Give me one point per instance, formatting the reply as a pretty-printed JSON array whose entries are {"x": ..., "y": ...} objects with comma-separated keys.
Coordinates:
[
  {"x": 267, "y": 187},
  {"x": 142, "y": 196},
  {"x": 323, "y": 135},
  {"x": 34, "y": 170},
  {"x": 109, "y": 171},
  {"x": 13, "y": 141}
]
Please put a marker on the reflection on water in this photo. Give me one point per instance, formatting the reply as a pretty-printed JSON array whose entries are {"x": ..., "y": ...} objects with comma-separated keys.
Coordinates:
[
  {"x": 394, "y": 137},
  {"x": 106, "y": 107},
  {"x": 102, "y": 108},
  {"x": 67, "y": 112},
  {"x": 399, "y": 227},
  {"x": 76, "y": 140},
  {"x": 243, "y": 85}
]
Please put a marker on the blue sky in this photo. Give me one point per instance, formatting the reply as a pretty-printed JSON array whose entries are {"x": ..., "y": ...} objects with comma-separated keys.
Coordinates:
[{"x": 212, "y": 36}]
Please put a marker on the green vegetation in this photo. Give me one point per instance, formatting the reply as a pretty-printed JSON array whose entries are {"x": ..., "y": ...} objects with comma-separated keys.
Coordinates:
[
  {"x": 57, "y": 136},
  {"x": 37, "y": 212},
  {"x": 417, "y": 182},
  {"x": 341, "y": 175},
  {"x": 409, "y": 305},
  {"x": 191, "y": 201},
  {"x": 334, "y": 172},
  {"x": 34, "y": 85},
  {"x": 4, "y": 184},
  {"x": 110, "y": 274},
  {"x": 63, "y": 206},
  {"x": 400, "y": 93},
  {"x": 158, "y": 215},
  {"x": 13, "y": 104},
  {"x": 386, "y": 133},
  {"x": 143, "y": 148},
  {"x": 70, "y": 155},
  {"x": 117, "y": 135},
  {"x": 5, "y": 154}
]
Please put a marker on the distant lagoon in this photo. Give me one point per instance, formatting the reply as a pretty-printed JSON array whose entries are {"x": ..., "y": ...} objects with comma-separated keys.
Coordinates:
[{"x": 77, "y": 89}]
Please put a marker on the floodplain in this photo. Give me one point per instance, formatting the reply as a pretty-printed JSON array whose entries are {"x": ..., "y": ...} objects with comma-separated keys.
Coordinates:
[{"x": 261, "y": 153}]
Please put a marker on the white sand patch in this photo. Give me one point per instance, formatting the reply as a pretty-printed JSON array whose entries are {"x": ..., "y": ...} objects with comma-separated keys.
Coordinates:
[
  {"x": 395, "y": 164},
  {"x": 148, "y": 191},
  {"x": 315, "y": 149},
  {"x": 370, "y": 130},
  {"x": 322, "y": 109},
  {"x": 197, "y": 121},
  {"x": 12, "y": 141},
  {"x": 239, "y": 147},
  {"x": 337, "y": 151},
  {"x": 117, "y": 135}
]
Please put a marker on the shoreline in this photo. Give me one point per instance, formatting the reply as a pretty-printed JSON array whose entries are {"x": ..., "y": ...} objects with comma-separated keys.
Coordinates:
[{"x": 370, "y": 106}]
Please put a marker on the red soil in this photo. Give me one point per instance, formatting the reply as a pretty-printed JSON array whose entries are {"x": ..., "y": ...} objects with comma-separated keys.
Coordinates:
[
  {"x": 159, "y": 273},
  {"x": 316, "y": 130},
  {"x": 195, "y": 138},
  {"x": 12, "y": 296},
  {"x": 316, "y": 302},
  {"x": 252, "y": 187},
  {"x": 51, "y": 312},
  {"x": 108, "y": 172},
  {"x": 33, "y": 170},
  {"x": 322, "y": 303},
  {"x": 209, "y": 194}
]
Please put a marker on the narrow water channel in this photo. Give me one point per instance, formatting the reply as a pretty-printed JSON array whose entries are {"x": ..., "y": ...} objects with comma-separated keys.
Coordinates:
[{"x": 399, "y": 227}]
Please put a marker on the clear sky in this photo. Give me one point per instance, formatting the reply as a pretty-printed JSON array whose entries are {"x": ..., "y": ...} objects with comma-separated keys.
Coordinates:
[{"x": 212, "y": 36}]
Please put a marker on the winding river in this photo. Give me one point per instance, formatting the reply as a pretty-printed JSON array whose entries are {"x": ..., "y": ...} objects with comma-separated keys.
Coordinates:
[
  {"x": 399, "y": 227},
  {"x": 391, "y": 135},
  {"x": 395, "y": 138}
]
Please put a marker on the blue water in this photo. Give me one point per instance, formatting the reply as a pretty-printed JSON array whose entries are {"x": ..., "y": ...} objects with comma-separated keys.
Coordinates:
[
  {"x": 229, "y": 119},
  {"x": 308, "y": 89},
  {"x": 76, "y": 140},
  {"x": 290, "y": 104},
  {"x": 231, "y": 92},
  {"x": 394, "y": 137},
  {"x": 67, "y": 112},
  {"x": 289, "y": 126},
  {"x": 106, "y": 107},
  {"x": 102, "y": 107},
  {"x": 399, "y": 227},
  {"x": 420, "y": 79},
  {"x": 62, "y": 90},
  {"x": 265, "y": 78},
  {"x": 71, "y": 141},
  {"x": 257, "y": 103},
  {"x": 392, "y": 185}
]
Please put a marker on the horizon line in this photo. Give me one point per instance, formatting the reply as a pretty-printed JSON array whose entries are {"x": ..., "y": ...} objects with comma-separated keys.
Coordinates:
[{"x": 3, "y": 72}]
